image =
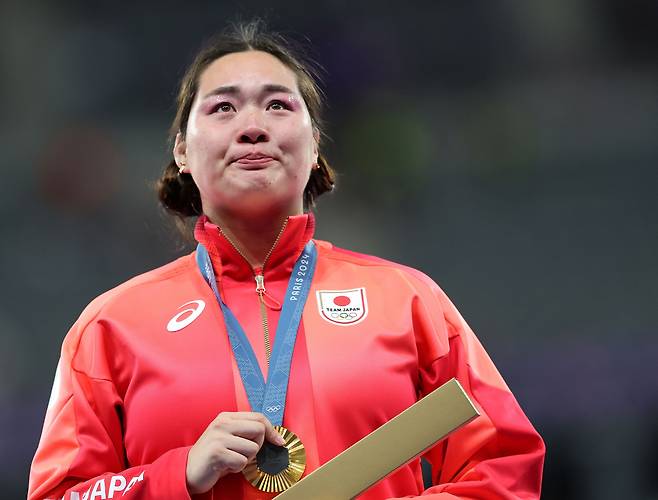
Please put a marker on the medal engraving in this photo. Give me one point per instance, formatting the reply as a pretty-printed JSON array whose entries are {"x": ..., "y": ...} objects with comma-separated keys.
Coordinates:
[{"x": 272, "y": 459}]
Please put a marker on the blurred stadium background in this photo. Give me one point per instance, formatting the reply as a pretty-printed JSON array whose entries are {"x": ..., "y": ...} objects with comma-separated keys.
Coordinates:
[{"x": 506, "y": 148}]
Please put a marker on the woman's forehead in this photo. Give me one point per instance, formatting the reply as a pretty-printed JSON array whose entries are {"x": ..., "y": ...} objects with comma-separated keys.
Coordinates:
[{"x": 245, "y": 70}]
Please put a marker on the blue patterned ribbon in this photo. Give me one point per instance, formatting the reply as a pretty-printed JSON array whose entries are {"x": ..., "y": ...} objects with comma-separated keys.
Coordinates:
[{"x": 268, "y": 398}]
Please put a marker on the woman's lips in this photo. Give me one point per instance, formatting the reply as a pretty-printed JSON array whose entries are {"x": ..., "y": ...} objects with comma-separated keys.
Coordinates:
[{"x": 254, "y": 162}]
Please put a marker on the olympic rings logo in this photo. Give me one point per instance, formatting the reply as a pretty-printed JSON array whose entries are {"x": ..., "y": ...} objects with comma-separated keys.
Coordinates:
[
  {"x": 343, "y": 315},
  {"x": 271, "y": 409}
]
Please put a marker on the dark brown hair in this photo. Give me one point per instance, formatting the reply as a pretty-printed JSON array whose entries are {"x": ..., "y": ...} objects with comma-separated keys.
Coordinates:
[{"x": 177, "y": 192}]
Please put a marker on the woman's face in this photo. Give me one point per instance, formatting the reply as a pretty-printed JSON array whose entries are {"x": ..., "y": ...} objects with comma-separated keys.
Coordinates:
[{"x": 250, "y": 144}]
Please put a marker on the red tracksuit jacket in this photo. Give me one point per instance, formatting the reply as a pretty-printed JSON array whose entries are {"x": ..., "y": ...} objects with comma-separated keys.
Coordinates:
[{"x": 148, "y": 366}]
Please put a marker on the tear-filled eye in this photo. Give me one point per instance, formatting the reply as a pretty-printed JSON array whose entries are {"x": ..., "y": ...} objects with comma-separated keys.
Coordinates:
[
  {"x": 277, "y": 105},
  {"x": 223, "y": 107}
]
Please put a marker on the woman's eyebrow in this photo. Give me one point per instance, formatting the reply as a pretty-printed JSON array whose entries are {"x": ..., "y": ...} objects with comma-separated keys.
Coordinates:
[
  {"x": 270, "y": 88},
  {"x": 234, "y": 90},
  {"x": 228, "y": 89}
]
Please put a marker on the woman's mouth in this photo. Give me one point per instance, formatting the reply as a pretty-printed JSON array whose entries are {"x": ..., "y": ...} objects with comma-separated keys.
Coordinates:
[{"x": 254, "y": 161}]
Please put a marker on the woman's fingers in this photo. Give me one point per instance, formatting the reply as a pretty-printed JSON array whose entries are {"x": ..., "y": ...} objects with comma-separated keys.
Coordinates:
[
  {"x": 262, "y": 427},
  {"x": 271, "y": 433},
  {"x": 232, "y": 461},
  {"x": 241, "y": 445},
  {"x": 226, "y": 446}
]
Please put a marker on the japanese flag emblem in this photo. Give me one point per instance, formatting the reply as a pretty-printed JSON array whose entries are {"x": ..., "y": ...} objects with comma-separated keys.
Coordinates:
[{"x": 343, "y": 307}]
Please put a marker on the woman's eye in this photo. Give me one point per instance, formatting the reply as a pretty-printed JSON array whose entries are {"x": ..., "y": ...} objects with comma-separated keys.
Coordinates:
[
  {"x": 277, "y": 106},
  {"x": 224, "y": 107}
]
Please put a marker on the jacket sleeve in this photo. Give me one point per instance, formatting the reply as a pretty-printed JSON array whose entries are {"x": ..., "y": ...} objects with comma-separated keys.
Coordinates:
[
  {"x": 499, "y": 455},
  {"x": 81, "y": 455}
]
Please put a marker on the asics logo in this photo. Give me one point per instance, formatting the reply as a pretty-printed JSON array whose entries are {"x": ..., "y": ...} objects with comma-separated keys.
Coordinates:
[{"x": 186, "y": 316}]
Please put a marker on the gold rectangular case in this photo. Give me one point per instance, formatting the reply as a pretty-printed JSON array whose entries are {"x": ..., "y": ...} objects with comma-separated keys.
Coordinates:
[{"x": 389, "y": 447}]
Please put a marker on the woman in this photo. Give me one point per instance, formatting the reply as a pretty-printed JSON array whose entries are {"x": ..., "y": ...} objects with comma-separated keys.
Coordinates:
[{"x": 161, "y": 387}]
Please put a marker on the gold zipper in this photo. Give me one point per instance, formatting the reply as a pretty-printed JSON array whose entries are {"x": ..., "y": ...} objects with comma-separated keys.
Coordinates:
[
  {"x": 260, "y": 290},
  {"x": 260, "y": 287}
]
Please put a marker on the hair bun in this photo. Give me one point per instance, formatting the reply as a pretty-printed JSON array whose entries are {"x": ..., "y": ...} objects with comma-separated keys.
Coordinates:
[{"x": 178, "y": 193}]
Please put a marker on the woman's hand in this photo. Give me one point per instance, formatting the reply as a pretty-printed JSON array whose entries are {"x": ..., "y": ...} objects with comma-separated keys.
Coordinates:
[{"x": 226, "y": 446}]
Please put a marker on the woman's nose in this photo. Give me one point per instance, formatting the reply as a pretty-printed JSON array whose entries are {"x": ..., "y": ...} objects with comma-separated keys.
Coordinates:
[
  {"x": 253, "y": 134},
  {"x": 253, "y": 130}
]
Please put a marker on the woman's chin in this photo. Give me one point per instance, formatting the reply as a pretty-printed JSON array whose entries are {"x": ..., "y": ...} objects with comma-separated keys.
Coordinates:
[{"x": 252, "y": 181}]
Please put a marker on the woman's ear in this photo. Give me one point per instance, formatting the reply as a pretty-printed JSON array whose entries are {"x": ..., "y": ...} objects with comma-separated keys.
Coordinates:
[
  {"x": 180, "y": 153},
  {"x": 316, "y": 144}
]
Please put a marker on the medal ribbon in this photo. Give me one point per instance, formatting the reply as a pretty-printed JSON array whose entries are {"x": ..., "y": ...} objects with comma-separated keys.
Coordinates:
[{"x": 267, "y": 397}]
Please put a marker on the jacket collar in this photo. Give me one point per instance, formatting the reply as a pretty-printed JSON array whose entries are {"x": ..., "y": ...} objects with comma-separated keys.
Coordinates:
[{"x": 228, "y": 263}]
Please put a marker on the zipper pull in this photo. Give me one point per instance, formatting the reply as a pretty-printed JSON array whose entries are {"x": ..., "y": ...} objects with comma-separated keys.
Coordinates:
[
  {"x": 260, "y": 284},
  {"x": 269, "y": 301}
]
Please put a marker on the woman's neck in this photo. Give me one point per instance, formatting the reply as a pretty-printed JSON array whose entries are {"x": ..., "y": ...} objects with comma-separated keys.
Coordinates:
[{"x": 254, "y": 238}]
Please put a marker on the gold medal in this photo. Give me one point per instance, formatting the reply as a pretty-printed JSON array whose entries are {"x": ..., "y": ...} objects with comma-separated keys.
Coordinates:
[{"x": 277, "y": 468}]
